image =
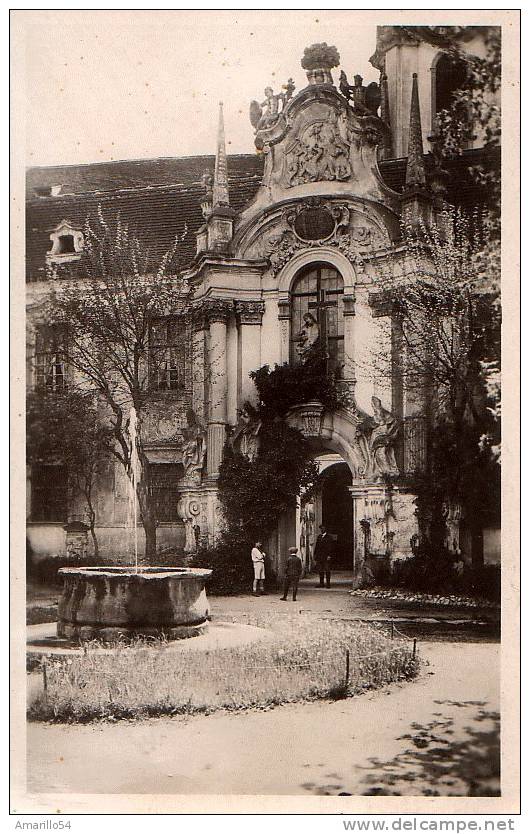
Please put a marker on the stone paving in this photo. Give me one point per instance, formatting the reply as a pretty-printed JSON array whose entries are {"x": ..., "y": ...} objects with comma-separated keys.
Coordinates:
[{"x": 432, "y": 621}]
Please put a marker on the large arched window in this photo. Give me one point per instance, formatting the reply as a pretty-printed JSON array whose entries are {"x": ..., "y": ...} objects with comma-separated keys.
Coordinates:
[
  {"x": 319, "y": 290},
  {"x": 449, "y": 75}
]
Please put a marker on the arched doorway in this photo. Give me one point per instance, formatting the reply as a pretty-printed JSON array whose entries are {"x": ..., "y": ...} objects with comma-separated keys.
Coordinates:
[
  {"x": 329, "y": 503},
  {"x": 337, "y": 513}
]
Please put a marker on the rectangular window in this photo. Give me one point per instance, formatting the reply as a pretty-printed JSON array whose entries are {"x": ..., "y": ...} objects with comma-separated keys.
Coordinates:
[
  {"x": 167, "y": 341},
  {"x": 49, "y": 493},
  {"x": 164, "y": 478},
  {"x": 50, "y": 358}
]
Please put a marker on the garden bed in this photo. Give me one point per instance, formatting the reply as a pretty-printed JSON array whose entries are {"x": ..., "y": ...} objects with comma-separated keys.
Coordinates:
[
  {"x": 306, "y": 660},
  {"x": 416, "y": 597}
]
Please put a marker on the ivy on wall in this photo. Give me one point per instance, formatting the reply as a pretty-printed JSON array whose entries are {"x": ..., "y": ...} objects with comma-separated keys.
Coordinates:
[
  {"x": 285, "y": 386},
  {"x": 255, "y": 493}
]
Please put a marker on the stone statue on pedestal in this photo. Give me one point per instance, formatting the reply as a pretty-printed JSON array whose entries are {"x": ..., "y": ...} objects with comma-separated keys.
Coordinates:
[
  {"x": 193, "y": 448},
  {"x": 244, "y": 438},
  {"x": 189, "y": 509},
  {"x": 382, "y": 440}
]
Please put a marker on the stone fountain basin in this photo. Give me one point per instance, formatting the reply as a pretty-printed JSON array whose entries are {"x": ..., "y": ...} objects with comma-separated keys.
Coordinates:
[{"x": 108, "y": 603}]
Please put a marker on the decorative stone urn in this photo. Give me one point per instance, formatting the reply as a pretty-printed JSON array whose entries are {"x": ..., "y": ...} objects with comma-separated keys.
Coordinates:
[
  {"x": 108, "y": 603},
  {"x": 318, "y": 61}
]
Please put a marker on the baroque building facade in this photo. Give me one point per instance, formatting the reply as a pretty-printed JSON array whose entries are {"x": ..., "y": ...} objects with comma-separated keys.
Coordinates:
[{"x": 281, "y": 254}]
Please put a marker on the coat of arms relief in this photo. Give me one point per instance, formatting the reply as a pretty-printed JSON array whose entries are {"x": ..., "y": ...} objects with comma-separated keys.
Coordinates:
[{"x": 315, "y": 223}]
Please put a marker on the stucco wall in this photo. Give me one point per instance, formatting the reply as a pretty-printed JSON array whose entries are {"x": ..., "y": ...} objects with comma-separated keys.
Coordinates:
[{"x": 115, "y": 542}]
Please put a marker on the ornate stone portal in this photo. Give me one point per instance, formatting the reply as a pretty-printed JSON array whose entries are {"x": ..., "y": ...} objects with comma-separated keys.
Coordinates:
[
  {"x": 384, "y": 514},
  {"x": 321, "y": 200}
]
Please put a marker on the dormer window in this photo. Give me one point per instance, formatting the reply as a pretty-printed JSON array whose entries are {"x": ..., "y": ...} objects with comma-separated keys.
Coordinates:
[
  {"x": 47, "y": 190},
  {"x": 67, "y": 243}
]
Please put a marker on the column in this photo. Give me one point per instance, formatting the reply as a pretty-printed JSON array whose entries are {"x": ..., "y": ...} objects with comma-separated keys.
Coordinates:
[
  {"x": 198, "y": 362},
  {"x": 284, "y": 318},
  {"x": 249, "y": 317},
  {"x": 217, "y": 312}
]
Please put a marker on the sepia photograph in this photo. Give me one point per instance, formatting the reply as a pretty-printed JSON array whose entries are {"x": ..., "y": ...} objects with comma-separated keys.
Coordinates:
[{"x": 270, "y": 527}]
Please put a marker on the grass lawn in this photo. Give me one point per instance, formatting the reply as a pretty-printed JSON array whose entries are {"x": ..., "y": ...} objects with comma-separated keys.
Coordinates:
[{"x": 305, "y": 660}]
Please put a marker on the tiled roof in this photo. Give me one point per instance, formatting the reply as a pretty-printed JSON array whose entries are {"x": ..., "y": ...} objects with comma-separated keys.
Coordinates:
[
  {"x": 136, "y": 173},
  {"x": 157, "y": 198},
  {"x": 462, "y": 188}
]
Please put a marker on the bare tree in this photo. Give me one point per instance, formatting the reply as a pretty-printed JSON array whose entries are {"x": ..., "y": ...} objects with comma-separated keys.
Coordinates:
[{"x": 120, "y": 291}]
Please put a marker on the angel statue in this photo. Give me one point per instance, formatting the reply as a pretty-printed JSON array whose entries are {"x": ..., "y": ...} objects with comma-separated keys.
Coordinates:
[
  {"x": 265, "y": 114},
  {"x": 193, "y": 448}
]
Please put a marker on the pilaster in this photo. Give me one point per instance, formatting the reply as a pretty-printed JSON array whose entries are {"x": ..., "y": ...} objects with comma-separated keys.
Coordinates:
[
  {"x": 284, "y": 318},
  {"x": 249, "y": 316},
  {"x": 349, "y": 338}
]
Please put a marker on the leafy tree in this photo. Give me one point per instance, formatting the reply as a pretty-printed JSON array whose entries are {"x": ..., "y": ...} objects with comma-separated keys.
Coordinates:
[
  {"x": 447, "y": 329},
  {"x": 475, "y": 104},
  {"x": 254, "y": 493},
  {"x": 107, "y": 311},
  {"x": 475, "y": 110},
  {"x": 65, "y": 426}
]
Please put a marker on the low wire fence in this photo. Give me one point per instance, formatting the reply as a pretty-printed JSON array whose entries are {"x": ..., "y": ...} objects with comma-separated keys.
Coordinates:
[{"x": 313, "y": 660}]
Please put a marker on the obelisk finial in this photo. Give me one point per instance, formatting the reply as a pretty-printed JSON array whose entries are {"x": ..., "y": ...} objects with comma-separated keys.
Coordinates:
[
  {"x": 220, "y": 180},
  {"x": 415, "y": 176}
]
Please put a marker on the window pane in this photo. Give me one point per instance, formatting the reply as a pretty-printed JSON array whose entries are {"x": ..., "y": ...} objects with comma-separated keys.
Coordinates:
[
  {"x": 49, "y": 493},
  {"x": 50, "y": 358},
  {"x": 165, "y": 479},
  {"x": 320, "y": 290},
  {"x": 167, "y": 354}
]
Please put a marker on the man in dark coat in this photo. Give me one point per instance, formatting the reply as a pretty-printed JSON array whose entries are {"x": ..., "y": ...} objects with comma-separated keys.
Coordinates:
[
  {"x": 324, "y": 552},
  {"x": 293, "y": 570}
]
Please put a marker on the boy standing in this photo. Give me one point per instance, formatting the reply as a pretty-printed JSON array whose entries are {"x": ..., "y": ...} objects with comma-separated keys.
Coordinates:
[
  {"x": 258, "y": 560},
  {"x": 293, "y": 570}
]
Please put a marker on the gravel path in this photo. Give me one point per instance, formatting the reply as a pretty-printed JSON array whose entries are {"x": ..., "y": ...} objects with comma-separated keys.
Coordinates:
[{"x": 435, "y": 736}]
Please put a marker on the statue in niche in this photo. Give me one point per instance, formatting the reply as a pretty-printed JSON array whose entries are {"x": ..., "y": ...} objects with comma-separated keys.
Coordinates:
[
  {"x": 265, "y": 114},
  {"x": 244, "y": 438},
  {"x": 308, "y": 337},
  {"x": 193, "y": 448},
  {"x": 382, "y": 440}
]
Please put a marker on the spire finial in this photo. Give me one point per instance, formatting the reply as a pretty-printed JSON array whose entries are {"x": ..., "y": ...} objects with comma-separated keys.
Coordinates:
[
  {"x": 415, "y": 177},
  {"x": 385, "y": 117},
  {"x": 220, "y": 181}
]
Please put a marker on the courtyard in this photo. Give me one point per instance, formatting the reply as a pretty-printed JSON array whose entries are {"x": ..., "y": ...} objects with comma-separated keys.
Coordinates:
[{"x": 437, "y": 735}]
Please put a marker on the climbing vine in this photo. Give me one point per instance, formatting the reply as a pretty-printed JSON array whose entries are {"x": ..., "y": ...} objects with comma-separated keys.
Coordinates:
[{"x": 254, "y": 493}]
